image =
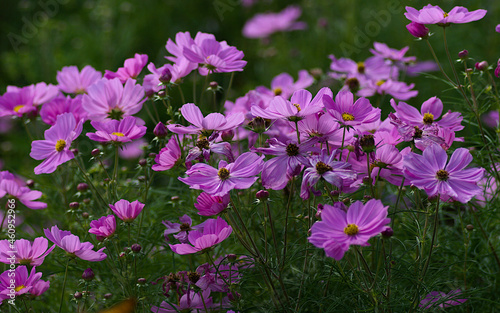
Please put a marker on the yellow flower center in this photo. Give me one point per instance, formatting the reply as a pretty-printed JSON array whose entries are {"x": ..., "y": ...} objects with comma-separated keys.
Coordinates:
[
  {"x": 380, "y": 82},
  {"x": 223, "y": 173},
  {"x": 297, "y": 106},
  {"x": 428, "y": 118},
  {"x": 60, "y": 145},
  {"x": 442, "y": 175},
  {"x": 351, "y": 229},
  {"x": 445, "y": 14},
  {"x": 277, "y": 91},
  {"x": 347, "y": 117},
  {"x": 19, "y": 288},
  {"x": 18, "y": 107},
  {"x": 361, "y": 67},
  {"x": 117, "y": 134}
]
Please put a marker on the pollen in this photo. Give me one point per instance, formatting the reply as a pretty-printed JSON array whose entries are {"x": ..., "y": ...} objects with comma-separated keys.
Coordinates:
[
  {"x": 445, "y": 14},
  {"x": 292, "y": 150},
  {"x": 297, "y": 106},
  {"x": 60, "y": 145},
  {"x": 361, "y": 67},
  {"x": 322, "y": 168},
  {"x": 380, "y": 82},
  {"x": 203, "y": 144},
  {"x": 428, "y": 118},
  {"x": 18, "y": 107},
  {"x": 117, "y": 134},
  {"x": 185, "y": 227},
  {"x": 223, "y": 173},
  {"x": 351, "y": 229},
  {"x": 19, "y": 288},
  {"x": 347, "y": 117},
  {"x": 277, "y": 91},
  {"x": 442, "y": 175}
]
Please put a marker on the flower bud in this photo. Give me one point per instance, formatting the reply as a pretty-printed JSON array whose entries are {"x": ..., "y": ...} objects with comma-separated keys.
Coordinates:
[
  {"x": 160, "y": 130},
  {"x": 231, "y": 257},
  {"x": 78, "y": 295},
  {"x": 165, "y": 76},
  {"x": 482, "y": 66},
  {"x": 470, "y": 227},
  {"x": 213, "y": 86},
  {"x": 367, "y": 143},
  {"x": 88, "y": 275},
  {"x": 30, "y": 183},
  {"x": 143, "y": 162},
  {"x": 82, "y": 187},
  {"x": 418, "y": 30},
  {"x": 152, "y": 155},
  {"x": 107, "y": 295},
  {"x": 85, "y": 215},
  {"x": 121, "y": 255},
  {"x": 162, "y": 93},
  {"x": 141, "y": 281},
  {"x": 95, "y": 152},
  {"x": 387, "y": 232},
  {"x": 136, "y": 248},
  {"x": 464, "y": 54},
  {"x": 227, "y": 135},
  {"x": 74, "y": 151},
  {"x": 74, "y": 205},
  {"x": 258, "y": 125},
  {"x": 262, "y": 194}
]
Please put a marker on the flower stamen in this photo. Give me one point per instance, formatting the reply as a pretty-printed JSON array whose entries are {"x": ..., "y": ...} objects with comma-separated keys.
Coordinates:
[
  {"x": 223, "y": 173},
  {"x": 351, "y": 229},
  {"x": 60, "y": 145}
]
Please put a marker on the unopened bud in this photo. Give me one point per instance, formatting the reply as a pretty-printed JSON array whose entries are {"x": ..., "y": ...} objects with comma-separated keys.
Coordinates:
[
  {"x": 143, "y": 162},
  {"x": 88, "y": 275},
  {"x": 482, "y": 66},
  {"x": 470, "y": 227},
  {"x": 78, "y": 295},
  {"x": 262, "y": 194},
  {"x": 30, "y": 183},
  {"x": 464, "y": 54},
  {"x": 160, "y": 130},
  {"x": 74, "y": 205},
  {"x": 136, "y": 248}
]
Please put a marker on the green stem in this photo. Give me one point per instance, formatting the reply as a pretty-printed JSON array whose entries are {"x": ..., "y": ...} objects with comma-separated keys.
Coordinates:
[
  {"x": 434, "y": 231},
  {"x": 182, "y": 94},
  {"x": 64, "y": 286},
  {"x": 95, "y": 191}
]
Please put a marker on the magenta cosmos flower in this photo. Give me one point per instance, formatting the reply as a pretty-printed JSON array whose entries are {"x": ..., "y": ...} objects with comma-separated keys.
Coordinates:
[
  {"x": 23, "y": 283},
  {"x": 104, "y": 227},
  {"x": 109, "y": 99},
  {"x": 348, "y": 112},
  {"x": 55, "y": 148},
  {"x": 208, "y": 205},
  {"x": 433, "y": 14},
  {"x": 442, "y": 300},
  {"x": 189, "y": 302},
  {"x": 283, "y": 84},
  {"x": 24, "y": 252},
  {"x": 168, "y": 156},
  {"x": 73, "y": 81},
  {"x": 117, "y": 131},
  {"x": 214, "y": 232},
  {"x": 50, "y": 111},
  {"x": 432, "y": 172},
  {"x": 382, "y": 50},
  {"x": 238, "y": 175},
  {"x": 10, "y": 185},
  {"x": 127, "y": 211},
  {"x": 131, "y": 68},
  {"x": 264, "y": 24},
  {"x": 181, "y": 230},
  {"x": 338, "y": 230},
  {"x": 205, "y": 125},
  {"x": 72, "y": 245}
]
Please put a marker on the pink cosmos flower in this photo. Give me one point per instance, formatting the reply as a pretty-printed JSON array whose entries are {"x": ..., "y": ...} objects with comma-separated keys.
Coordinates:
[
  {"x": 338, "y": 229},
  {"x": 55, "y": 148},
  {"x": 72, "y": 81},
  {"x": 168, "y": 156},
  {"x": 348, "y": 112},
  {"x": 182, "y": 230},
  {"x": 109, "y": 99},
  {"x": 432, "y": 172},
  {"x": 127, "y": 211},
  {"x": 283, "y": 85},
  {"x": 441, "y": 299},
  {"x": 208, "y": 205},
  {"x": 433, "y": 14},
  {"x": 324, "y": 128},
  {"x": 18, "y": 101},
  {"x": 374, "y": 68},
  {"x": 264, "y": 24},
  {"x": 237, "y": 175},
  {"x": 189, "y": 301},
  {"x": 133, "y": 149},
  {"x": 131, "y": 68},
  {"x": 382, "y": 50},
  {"x": 122, "y": 131},
  {"x": 214, "y": 231},
  {"x": 397, "y": 89},
  {"x": 24, "y": 252},
  {"x": 23, "y": 282},
  {"x": 72, "y": 245},
  {"x": 215, "y": 57},
  {"x": 104, "y": 227},
  {"x": 17, "y": 189},
  {"x": 60, "y": 105},
  {"x": 205, "y": 125}
]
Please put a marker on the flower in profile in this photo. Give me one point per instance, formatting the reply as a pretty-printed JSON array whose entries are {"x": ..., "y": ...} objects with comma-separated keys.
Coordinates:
[
  {"x": 190, "y": 301},
  {"x": 24, "y": 252},
  {"x": 264, "y": 24},
  {"x": 168, "y": 156},
  {"x": 394, "y": 55},
  {"x": 55, "y": 148},
  {"x": 73, "y": 246},
  {"x": 208, "y": 205},
  {"x": 110, "y": 99},
  {"x": 39, "y": 288},
  {"x": 432, "y": 172},
  {"x": 283, "y": 85},
  {"x": 117, "y": 131},
  {"x": 338, "y": 229},
  {"x": 214, "y": 231},
  {"x": 72, "y": 81},
  {"x": 238, "y": 175},
  {"x": 433, "y": 14},
  {"x": 22, "y": 281},
  {"x": 348, "y": 112},
  {"x": 442, "y": 300},
  {"x": 10, "y": 185},
  {"x": 417, "y": 30},
  {"x": 127, "y": 211},
  {"x": 131, "y": 68},
  {"x": 51, "y": 110},
  {"x": 104, "y": 227},
  {"x": 497, "y": 70}
]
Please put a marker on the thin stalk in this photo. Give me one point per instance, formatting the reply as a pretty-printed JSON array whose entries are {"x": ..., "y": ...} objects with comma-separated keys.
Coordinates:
[
  {"x": 486, "y": 237},
  {"x": 228, "y": 88},
  {"x": 437, "y": 61},
  {"x": 434, "y": 231},
  {"x": 115, "y": 174},
  {"x": 273, "y": 232},
  {"x": 64, "y": 286},
  {"x": 286, "y": 222},
  {"x": 369, "y": 174},
  {"x": 95, "y": 191},
  {"x": 182, "y": 94}
]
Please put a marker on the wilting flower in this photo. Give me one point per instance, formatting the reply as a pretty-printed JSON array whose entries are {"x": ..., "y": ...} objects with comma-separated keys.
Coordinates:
[
  {"x": 433, "y": 173},
  {"x": 72, "y": 245},
  {"x": 24, "y": 252},
  {"x": 433, "y": 14},
  {"x": 131, "y": 68},
  {"x": 191, "y": 300},
  {"x": 23, "y": 283},
  {"x": 72, "y": 81},
  {"x": 441, "y": 299},
  {"x": 117, "y": 131},
  {"x": 237, "y": 175},
  {"x": 104, "y": 227},
  {"x": 55, "y": 148},
  {"x": 208, "y": 205},
  {"x": 264, "y": 24},
  {"x": 214, "y": 231},
  {"x": 168, "y": 156},
  {"x": 127, "y": 211},
  {"x": 109, "y": 99},
  {"x": 338, "y": 229}
]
